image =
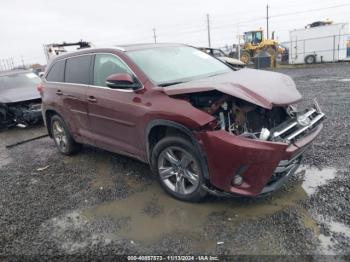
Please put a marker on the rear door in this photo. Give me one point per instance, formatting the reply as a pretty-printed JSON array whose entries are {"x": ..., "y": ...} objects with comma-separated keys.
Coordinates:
[
  {"x": 74, "y": 95},
  {"x": 113, "y": 113}
]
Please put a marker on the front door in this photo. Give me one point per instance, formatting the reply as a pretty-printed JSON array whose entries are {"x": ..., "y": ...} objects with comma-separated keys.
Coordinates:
[{"x": 113, "y": 113}]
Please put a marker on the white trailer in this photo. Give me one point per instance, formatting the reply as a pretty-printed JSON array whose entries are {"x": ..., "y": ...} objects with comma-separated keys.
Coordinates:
[{"x": 326, "y": 43}]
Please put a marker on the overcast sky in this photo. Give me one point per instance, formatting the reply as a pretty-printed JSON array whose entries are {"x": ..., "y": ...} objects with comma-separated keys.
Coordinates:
[{"x": 26, "y": 25}]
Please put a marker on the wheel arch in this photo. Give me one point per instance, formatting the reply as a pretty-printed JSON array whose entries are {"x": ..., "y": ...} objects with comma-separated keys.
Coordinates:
[
  {"x": 49, "y": 113},
  {"x": 160, "y": 128}
]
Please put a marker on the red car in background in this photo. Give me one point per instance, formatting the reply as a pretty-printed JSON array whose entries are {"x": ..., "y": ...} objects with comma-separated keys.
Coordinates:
[{"x": 202, "y": 126}]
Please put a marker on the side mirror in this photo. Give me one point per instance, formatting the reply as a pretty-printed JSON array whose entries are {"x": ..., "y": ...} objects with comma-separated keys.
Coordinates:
[
  {"x": 122, "y": 81},
  {"x": 41, "y": 74}
]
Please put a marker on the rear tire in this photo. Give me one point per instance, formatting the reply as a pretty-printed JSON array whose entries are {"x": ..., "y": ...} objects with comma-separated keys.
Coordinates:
[
  {"x": 62, "y": 137},
  {"x": 176, "y": 163}
]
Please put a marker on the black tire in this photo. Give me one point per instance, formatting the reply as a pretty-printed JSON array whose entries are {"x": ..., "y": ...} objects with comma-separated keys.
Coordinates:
[
  {"x": 310, "y": 59},
  {"x": 70, "y": 147},
  {"x": 178, "y": 142},
  {"x": 245, "y": 57}
]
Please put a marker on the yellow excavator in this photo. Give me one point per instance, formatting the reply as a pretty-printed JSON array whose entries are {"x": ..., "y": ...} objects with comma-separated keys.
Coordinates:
[{"x": 254, "y": 42}]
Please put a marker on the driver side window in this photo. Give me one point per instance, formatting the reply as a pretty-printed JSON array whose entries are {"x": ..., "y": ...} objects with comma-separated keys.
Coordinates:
[{"x": 106, "y": 65}]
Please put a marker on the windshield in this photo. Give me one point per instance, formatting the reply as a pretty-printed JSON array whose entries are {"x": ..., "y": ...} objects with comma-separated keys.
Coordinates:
[
  {"x": 171, "y": 65},
  {"x": 27, "y": 79}
]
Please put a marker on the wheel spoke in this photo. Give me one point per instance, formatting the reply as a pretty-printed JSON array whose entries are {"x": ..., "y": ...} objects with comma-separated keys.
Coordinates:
[
  {"x": 59, "y": 128},
  {"x": 64, "y": 140},
  {"x": 166, "y": 172},
  {"x": 191, "y": 177},
  {"x": 180, "y": 185},
  {"x": 185, "y": 161},
  {"x": 169, "y": 155},
  {"x": 178, "y": 170}
]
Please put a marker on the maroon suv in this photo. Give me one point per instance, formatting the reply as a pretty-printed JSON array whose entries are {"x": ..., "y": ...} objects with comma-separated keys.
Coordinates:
[{"x": 201, "y": 125}]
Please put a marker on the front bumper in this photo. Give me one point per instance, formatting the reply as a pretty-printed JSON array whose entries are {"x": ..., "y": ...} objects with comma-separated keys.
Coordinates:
[{"x": 265, "y": 166}]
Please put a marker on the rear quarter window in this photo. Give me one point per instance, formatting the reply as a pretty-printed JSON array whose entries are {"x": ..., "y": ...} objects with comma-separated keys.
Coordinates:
[
  {"x": 78, "y": 70},
  {"x": 56, "y": 73}
]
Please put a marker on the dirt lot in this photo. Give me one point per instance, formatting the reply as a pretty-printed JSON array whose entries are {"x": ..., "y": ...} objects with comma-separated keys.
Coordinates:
[{"x": 99, "y": 203}]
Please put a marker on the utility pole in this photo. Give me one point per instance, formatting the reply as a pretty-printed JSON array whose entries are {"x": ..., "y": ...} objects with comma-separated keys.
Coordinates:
[
  {"x": 267, "y": 21},
  {"x": 239, "y": 44},
  {"x": 208, "y": 28},
  {"x": 154, "y": 35}
]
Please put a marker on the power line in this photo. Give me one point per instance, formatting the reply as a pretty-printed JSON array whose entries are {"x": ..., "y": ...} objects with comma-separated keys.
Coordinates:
[
  {"x": 309, "y": 10},
  {"x": 274, "y": 16}
]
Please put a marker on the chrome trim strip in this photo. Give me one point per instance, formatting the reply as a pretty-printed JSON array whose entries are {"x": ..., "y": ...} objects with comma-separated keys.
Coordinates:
[
  {"x": 278, "y": 133},
  {"x": 313, "y": 121}
]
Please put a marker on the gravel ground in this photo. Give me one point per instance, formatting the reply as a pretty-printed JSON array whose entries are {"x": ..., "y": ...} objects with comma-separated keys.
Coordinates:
[{"x": 98, "y": 203}]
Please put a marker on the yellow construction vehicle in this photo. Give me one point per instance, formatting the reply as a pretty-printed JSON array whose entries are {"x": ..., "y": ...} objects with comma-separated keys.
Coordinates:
[{"x": 254, "y": 42}]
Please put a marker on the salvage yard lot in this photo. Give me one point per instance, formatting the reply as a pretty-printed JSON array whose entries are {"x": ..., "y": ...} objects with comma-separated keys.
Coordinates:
[{"x": 100, "y": 203}]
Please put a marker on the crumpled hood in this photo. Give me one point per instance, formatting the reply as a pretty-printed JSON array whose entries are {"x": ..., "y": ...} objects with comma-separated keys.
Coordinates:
[
  {"x": 259, "y": 87},
  {"x": 12, "y": 95}
]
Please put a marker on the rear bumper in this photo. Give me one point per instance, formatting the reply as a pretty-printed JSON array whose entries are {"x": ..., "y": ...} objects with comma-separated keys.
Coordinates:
[{"x": 265, "y": 166}]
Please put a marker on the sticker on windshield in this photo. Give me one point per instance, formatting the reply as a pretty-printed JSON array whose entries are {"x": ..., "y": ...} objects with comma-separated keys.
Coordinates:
[
  {"x": 201, "y": 54},
  {"x": 31, "y": 75}
]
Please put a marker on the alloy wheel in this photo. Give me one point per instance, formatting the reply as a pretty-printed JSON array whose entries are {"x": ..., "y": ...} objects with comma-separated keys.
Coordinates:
[
  {"x": 59, "y": 135},
  {"x": 178, "y": 170}
]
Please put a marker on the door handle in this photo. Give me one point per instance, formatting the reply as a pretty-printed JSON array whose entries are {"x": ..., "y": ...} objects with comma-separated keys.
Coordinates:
[
  {"x": 92, "y": 99},
  {"x": 59, "y": 92}
]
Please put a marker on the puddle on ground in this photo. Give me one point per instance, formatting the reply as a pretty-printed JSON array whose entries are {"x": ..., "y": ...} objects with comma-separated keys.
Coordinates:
[
  {"x": 335, "y": 78},
  {"x": 314, "y": 177},
  {"x": 152, "y": 213},
  {"x": 344, "y": 80}
]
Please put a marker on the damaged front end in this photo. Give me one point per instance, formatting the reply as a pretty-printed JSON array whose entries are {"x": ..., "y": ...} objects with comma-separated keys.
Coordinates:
[
  {"x": 20, "y": 114},
  {"x": 252, "y": 150}
]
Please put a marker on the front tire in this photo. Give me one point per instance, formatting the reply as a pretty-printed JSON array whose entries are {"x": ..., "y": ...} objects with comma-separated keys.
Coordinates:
[
  {"x": 176, "y": 162},
  {"x": 62, "y": 137},
  {"x": 245, "y": 57}
]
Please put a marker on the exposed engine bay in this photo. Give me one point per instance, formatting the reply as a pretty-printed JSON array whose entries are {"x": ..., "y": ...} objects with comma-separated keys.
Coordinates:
[
  {"x": 21, "y": 113},
  {"x": 242, "y": 118}
]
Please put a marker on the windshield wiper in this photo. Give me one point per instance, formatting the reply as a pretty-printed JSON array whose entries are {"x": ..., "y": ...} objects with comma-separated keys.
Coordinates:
[{"x": 170, "y": 83}]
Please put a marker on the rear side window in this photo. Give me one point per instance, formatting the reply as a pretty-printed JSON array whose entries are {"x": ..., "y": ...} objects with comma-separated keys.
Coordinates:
[
  {"x": 78, "y": 70},
  {"x": 56, "y": 73}
]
